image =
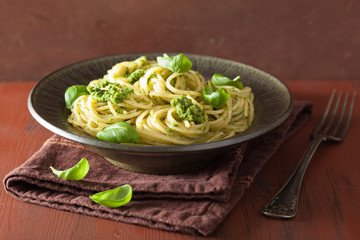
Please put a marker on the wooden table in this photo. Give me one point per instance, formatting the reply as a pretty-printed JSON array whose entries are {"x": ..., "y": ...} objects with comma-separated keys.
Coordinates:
[{"x": 329, "y": 206}]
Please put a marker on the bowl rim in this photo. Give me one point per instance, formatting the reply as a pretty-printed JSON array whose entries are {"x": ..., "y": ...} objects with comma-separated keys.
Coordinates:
[{"x": 91, "y": 141}]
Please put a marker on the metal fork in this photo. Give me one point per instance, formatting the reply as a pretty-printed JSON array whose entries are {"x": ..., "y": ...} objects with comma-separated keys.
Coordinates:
[{"x": 285, "y": 203}]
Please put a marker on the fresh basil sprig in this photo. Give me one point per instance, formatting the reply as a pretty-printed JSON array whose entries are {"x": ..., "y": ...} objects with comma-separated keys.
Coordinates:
[
  {"x": 179, "y": 63},
  {"x": 220, "y": 80},
  {"x": 114, "y": 198},
  {"x": 76, "y": 172},
  {"x": 216, "y": 97},
  {"x": 119, "y": 132},
  {"x": 73, "y": 92}
]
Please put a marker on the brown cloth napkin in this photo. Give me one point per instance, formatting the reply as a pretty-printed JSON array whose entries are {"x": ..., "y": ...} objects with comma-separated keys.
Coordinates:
[{"x": 194, "y": 203}]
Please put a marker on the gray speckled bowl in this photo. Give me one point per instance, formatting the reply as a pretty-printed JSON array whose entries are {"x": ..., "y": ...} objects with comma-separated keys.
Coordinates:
[{"x": 273, "y": 104}]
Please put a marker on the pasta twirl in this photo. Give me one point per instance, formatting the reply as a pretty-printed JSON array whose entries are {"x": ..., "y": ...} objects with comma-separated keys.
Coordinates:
[{"x": 147, "y": 105}]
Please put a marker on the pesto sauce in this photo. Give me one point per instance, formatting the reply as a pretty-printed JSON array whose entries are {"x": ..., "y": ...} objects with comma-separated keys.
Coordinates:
[
  {"x": 187, "y": 110},
  {"x": 136, "y": 75},
  {"x": 106, "y": 91}
]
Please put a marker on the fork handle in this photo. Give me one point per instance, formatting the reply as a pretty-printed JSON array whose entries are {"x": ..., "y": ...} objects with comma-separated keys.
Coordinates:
[{"x": 285, "y": 203}]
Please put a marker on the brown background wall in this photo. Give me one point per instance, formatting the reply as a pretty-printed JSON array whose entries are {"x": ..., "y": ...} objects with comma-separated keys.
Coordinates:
[{"x": 306, "y": 40}]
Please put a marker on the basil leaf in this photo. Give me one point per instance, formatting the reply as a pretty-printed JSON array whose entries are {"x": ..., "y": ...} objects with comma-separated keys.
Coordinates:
[
  {"x": 76, "y": 172},
  {"x": 73, "y": 92},
  {"x": 214, "y": 96},
  {"x": 220, "y": 80},
  {"x": 114, "y": 198},
  {"x": 120, "y": 132},
  {"x": 179, "y": 63}
]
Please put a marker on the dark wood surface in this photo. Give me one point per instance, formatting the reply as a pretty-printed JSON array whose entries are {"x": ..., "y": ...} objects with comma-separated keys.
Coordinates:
[
  {"x": 291, "y": 39},
  {"x": 329, "y": 206},
  {"x": 313, "y": 46}
]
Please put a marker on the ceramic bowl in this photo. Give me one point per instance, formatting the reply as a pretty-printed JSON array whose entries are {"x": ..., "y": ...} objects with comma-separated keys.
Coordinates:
[{"x": 273, "y": 104}]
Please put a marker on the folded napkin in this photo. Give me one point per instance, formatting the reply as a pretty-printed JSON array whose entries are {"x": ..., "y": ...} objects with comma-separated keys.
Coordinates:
[{"x": 194, "y": 203}]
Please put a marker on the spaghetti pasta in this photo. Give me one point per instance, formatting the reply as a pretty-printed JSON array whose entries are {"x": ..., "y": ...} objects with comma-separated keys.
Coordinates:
[{"x": 148, "y": 105}]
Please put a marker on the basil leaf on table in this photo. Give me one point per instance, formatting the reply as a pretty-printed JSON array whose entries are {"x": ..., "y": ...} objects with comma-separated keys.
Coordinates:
[
  {"x": 73, "y": 92},
  {"x": 114, "y": 198},
  {"x": 216, "y": 97},
  {"x": 120, "y": 132},
  {"x": 76, "y": 172},
  {"x": 219, "y": 80},
  {"x": 179, "y": 63}
]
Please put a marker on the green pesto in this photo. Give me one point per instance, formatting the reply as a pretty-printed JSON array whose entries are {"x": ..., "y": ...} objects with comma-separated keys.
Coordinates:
[
  {"x": 119, "y": 110},
  {"x": 106, "y": 91},
  {"x": 127, "y": 71},
  {"x": 187, "y": 110},
  {"x": 153, "y": 75},
  {"x": 136, "y": 75}
]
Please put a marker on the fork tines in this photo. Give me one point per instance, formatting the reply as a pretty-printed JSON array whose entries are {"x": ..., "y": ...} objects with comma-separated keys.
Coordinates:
[{"x": 326, "y": 128}]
